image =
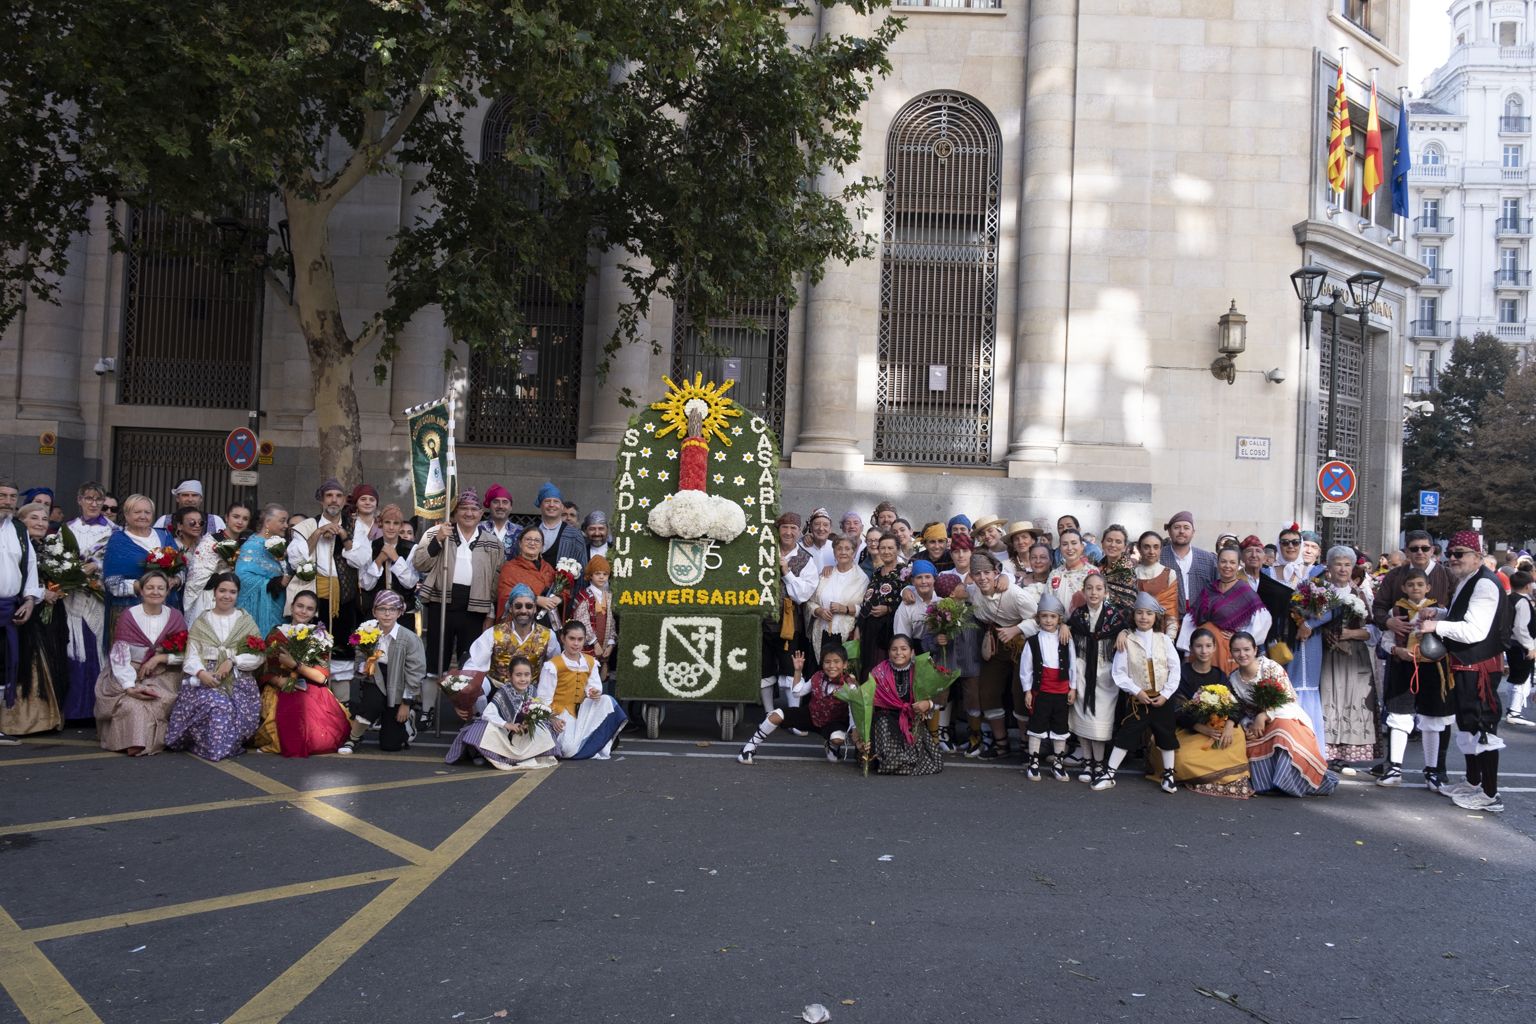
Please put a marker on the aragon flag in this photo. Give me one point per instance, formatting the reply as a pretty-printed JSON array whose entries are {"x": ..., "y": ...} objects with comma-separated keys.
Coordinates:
[{"x": 1338, "y": 138}]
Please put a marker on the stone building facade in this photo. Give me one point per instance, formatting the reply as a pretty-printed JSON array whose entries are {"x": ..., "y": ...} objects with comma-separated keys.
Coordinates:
[{"x": 1076, "y": 191}]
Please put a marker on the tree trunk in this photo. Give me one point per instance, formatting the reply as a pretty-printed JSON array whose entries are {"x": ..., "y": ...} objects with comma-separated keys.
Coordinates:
[{"x": 331, "y": 349}]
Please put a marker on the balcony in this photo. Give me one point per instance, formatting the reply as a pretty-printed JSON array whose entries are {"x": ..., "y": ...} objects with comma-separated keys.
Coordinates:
[
  {"x": 1509, "y": 125},
  {"x": 1429, "y": 172},
  {"x": 974, "y": 5},
  {"x": 1506, "y": 279},
  {"x": 1514, "y": 175},
  {"x": 1438, "y": 277},
  {"x": 1430, "y": 226},
  {"x": 1510, "y": 332},
  {"x": 1423, "y": 385},
  {"x": 1430, "y": 329},
  {"x": 1512, "y": 227}
]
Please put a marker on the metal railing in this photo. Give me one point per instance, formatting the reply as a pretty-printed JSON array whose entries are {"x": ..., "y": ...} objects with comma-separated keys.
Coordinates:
[
  {"x": 1509, "y": 123},
  {"x": 1438, "y": 277},
  {"x": 1430, "y": 329},
  {"x": 1433, "y": 225},
  {"x": 1506, "y": 278},
  {"x": 748, "y": 344},
  {"x": 1512, "y": 226},
  {"x": 973, "y": 5},
  {"x": 1422, "y": 385}
]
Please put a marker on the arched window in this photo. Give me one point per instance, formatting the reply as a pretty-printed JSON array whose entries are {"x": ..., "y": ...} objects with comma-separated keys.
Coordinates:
[
  {"x": 938, "y": 284},
  {"x": 531, "y": 402},
  {"x": 1514, "y": 106},
  {"x": 1433, "y": 156}
]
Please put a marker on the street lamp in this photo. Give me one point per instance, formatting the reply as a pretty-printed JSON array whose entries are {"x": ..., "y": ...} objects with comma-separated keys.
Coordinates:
[
  {"x": 1364, "y": 287},
  {"x": 1232, "y": 332}
]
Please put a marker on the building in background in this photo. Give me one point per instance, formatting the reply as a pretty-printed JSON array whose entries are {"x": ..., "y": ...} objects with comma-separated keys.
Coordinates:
[
  {"x": 1472, "y": 192},
  {"x": 1075, "y": 194}
]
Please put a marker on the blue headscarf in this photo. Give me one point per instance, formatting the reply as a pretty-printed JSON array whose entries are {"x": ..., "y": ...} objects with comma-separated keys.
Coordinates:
[
  {"x": 549, "y": 490},
  {"x": 921, "y": 566}
]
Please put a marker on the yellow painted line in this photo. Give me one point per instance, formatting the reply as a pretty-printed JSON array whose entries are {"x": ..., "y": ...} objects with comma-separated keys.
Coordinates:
[
  {"x": 11, "y": 762},
  {"x": 45, "y": 933},
  {"x": 63, "y": 741},
  {"x": 234, "y": 803},
  {"x": 38, "y": 989},
  {"x": 283, "y": 995},
  {"x": 251, "y": 777},
  {"x": 366, "y": 831}
]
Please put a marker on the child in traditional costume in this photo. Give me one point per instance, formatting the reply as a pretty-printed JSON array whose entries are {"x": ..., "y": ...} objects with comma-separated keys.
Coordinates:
[
  {"x": 500, "y": 735},
  {"x": 586, "y": 719},
  {"x": 1046, "y": 691},
  {"x": 898, "y": 742},
  {"x": 1095, "y": 626},
  {"x": 818, "y": 711},
  {"x": 1415, "y": 685},
  {"x": 218, "y": 706},
  {"x": 386, "y": 683},
  {"x": 1148, "y": 671}
]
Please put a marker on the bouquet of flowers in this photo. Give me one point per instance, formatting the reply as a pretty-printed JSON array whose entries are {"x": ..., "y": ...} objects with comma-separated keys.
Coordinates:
[
  {"x": 1351, "y": 604},
  {"x": 307, "y": 644},
  {"x": 306, "y": 571},
  {"x": 566, "y": 573},
  {"x": 62, "y": 569},
  {"x": 534, "y": 713},
  {"x": 227, "y": 550},
  {"x": 173, "y": 646},
  {"x": 1311, "y": 599},
  {"x": 277, "y": 547},
  {"x": 948, "y": 617},
  {"x": 365, "y": 639},
  {"x": 168, "y": 559},
  {"x": 1215, "y": 703},
  {"x": 255, "y": 644},
  {"x": 462, "y": 690},
  {"x": 861, "y": 704},
  {"x": 1269, "y": 694}
]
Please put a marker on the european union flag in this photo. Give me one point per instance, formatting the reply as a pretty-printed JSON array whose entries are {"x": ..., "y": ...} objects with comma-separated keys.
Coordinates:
[{"x": 1400, "y": 162}]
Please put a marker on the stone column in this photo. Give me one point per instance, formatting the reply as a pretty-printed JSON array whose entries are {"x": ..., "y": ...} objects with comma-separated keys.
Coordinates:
[
  {"x": 50, "y": 350},
  {"x": 1045, "y": 235},
  {"x": 628, "y": 367},
  {"x": 829, "y": 373}
]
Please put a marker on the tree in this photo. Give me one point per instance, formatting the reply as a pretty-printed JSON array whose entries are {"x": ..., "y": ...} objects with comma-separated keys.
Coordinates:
[
  {"x": 1496, "y": 466},
  {"x": 688, "y": 134},
  {"x": 1440, "y": 451}
]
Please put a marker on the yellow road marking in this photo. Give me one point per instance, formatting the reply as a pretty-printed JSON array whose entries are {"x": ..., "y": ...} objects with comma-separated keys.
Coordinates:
[
  {"x": 235, "y": 803},
  {"x": 40, "y": 992},
  {"x": 62, "y": 741},
  {"x": 8, "y": 762},
  {"x": 285, "y": 992},
  {"x": 251, "y": 777},
  {"x": 45, "y": 933}
]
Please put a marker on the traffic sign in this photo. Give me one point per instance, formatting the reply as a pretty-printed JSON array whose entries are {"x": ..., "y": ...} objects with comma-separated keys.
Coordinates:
[
  {"x": 1429, "y": 503},
  {"x": 1336, "y": 481},
  {"x": 240, "y": 449},
  {"x": 1335, "y": 510}
]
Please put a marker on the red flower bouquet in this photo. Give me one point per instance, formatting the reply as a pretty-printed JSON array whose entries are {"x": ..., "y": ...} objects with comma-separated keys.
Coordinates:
[
  {"x": 167, "y": 558},
  {"x": 1269, "y": 694},
  {"x": 255, "y": 644}
]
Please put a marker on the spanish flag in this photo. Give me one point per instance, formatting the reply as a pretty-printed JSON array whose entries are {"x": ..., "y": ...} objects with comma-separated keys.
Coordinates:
[
  {"x": 1338, "y": 138},
  {"x": 1371, "y": 176}
]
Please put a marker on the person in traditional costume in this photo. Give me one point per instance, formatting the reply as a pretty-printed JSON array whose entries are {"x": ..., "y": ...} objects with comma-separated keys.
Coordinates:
[
  {"x": 961, "y": 653},
  {"x": 818, "y": 539},
  {"x": 586, "y": 719},
  {"x": 819, "y": 711},
  {"x": 935, "y": 543},
  {"x": 988, "y": 534},
  {"x": 21, "y": 591},
  {"x": 1305, "y": 668},
  {"x": 1065, "y": 582},
  {"x": 138, "y": 686},
  {"x": 517, "y": 635},
  {"x": 390, "y": 566},
  {"x": 799, "y": 575},
  {"x": 1212, "y": 758},
  {"x": 1420, "y": 549},
  {"x": 203, "y": 562},
  {"x": 87, "y": 613},
  {"x": 1021, "y": 538},
  {"x": 1194, "y": 567},
  {"x": 594, "y": 610},
  {"x": 1475, "y": 630},
  {"x": 218, "y": 707},
  {"x": 300, "y": 716},
  {"x": 1347, "y": 682},
  {"x": 527, "y": 567},
  {"x": 1147, "y": 671},
  {"x": 832, "y": 607},
  {"x": 1284, "y": 755},
  {"x": 561, "y": 539},
  {"x": 35, "y": 691},
  {"x": 898, "y": 744},
  {"x": 1045, "y": 692},
  {"x": 1416, "y": 689},
  {"x": 457, "y": 561},
  {"x": 325, "y": 539},
  {"x": 1157, "y": 579},
  {"x": 1118, "y": 567},
  {"x": 1521, "y": 654},
  {"x": 188, "y": 494},
  {"x": 499, "y": 525},
  {"x": 917, "y": 597},
  {"x": 263, "y": 575},
  {"x": 595, "y": 528},
  {"x": 1036, "y": 572},
  {"x": 1226, "y": 606},
  {"x": 500, "y": 735},
  {"x": 1275, "y": 595},
  {"x": 386, "y": 683},
  {"x": 127, "y": 550},
  {"x": 1095, "y": 626},
  {"x": 1006, "y": 615}
]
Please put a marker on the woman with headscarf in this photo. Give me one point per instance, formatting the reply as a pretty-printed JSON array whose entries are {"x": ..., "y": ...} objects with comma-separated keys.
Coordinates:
[
  {"x": 1226, "y": 606},
  {"x": 218, "y": 707},
  {"x": 897, "y": 743}
]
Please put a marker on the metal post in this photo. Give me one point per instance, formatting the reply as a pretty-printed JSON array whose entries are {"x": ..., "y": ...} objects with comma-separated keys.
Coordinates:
[{"x": 1333, "y": 408}]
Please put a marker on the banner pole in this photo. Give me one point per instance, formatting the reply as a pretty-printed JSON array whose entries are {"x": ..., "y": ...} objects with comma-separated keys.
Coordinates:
[{"x": 452, "y": 477}]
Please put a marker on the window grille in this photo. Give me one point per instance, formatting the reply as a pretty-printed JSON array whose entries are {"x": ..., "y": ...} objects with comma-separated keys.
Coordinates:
[
  {"x": 152, "y": 462},
  {"x": 938, "y": 284},
  {"x": 531, "y": 399},
  {"x": 754, "y": 333},
  {"x": 192, "y": 309},
  {"x": 1351, "y": 443}
]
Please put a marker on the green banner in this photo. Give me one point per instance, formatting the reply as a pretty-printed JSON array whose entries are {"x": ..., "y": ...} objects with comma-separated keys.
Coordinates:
[{"x": 429, "y": 461}]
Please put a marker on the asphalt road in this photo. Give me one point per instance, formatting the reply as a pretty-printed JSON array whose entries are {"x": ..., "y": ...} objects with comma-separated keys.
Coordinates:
[{"x": 672, "y": 884}]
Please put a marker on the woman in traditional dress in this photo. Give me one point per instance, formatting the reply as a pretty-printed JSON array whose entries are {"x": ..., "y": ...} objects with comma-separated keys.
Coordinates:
[
  {"x": 499, "y": 736},
  {"x": 1305, "y": 668},
  {"x": 831, "y": 610},
  {"x": 139, "y": 683},
  {"x": 1157, "y": 579},
  {"x": 1347, "y": 682},
  {"x": 33, "y": 700},
  {"x": 1226, "y": 606},
  {"x": 263, "y": 576},
  {"x": 87, "y": 612},
  {"x": 1095, "y": 626},
  {"x": 300, "y": 715},
  {"x": 1036, "y": 572},
  {"x": 1211, "y": 759},
  {"x": 218, "y": 708},
  {"x": 126, "y": 552},
  {"x": 897, "y": 743},
  {"x": 1021, "y": 537},
  {"x": 877, "y": 612},
  {"x": 1284, "y": 755},
  {"x": 586, "y": 719},
  {"x": 1066, "y": 580},
  {"x": 1118, "y": 566},
  {"x": 961, "y": 653},
  {"x": 529, "y": 569}
]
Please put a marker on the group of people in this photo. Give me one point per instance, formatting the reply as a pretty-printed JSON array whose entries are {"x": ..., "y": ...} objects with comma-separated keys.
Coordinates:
[{"x": 1247, "y": 667}]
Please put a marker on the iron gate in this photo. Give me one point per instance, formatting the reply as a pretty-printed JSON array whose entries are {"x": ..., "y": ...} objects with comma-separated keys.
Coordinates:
[
  {"x": 1352, "y": 441},
  {"x": 938, "y": 284},
  {"x": 756, "y": 334},
  {"x": 152, "y": 462}
]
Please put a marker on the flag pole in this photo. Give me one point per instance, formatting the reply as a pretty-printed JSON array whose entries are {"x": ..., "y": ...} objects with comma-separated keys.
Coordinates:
[
  {"x": 445, "y": 577},
  {"x": 1378, "y": 155}
]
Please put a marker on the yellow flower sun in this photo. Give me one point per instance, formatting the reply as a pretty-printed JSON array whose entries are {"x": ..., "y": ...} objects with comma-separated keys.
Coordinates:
[{"x": 712, "y": 394}]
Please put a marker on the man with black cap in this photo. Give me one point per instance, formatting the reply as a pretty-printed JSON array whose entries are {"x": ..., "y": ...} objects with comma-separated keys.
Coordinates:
[{"x": 1475, "y": 629}]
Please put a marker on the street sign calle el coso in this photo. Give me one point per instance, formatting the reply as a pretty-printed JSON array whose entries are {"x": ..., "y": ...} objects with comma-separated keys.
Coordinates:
[{"x": 1429, "y": 503}]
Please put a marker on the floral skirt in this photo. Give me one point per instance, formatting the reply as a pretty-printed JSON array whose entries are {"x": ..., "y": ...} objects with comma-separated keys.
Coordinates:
[
  {"x": 213, "y": 724},
  {"x": 895, "y": 756}
]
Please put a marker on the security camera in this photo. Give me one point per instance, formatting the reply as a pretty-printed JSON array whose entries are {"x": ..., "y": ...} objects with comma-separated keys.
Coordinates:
[
  {"x": 1419, "y": 408},
  {"x": 1275, "y": 376},
  {"x": 105, "y": 366}
]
